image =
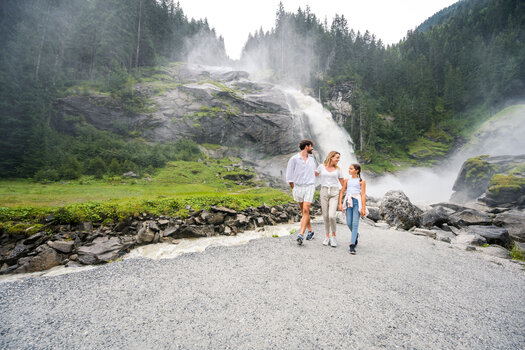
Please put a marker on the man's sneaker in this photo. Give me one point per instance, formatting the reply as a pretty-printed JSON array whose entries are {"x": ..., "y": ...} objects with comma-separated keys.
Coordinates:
[
  {"x": 333, "y": 241},
  {"x": 310, "y": 235},
  {"x": 326, "y": 241},
  {"x": 299, "y": 239},
  {"x": 352, "y": 249}
]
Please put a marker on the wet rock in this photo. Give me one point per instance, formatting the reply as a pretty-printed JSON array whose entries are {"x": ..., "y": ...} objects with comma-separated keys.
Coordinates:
[
  {"x": 436, "y": 216},
  {"x": 215, "y": 218},
  {"x": 163, "y": 222},
  {"x": 189, "y": 231},
  {"x": 32, "y": 239},
  {"x": 145, "y": 233},
  {"x": 514, "y": 222},
  {"x": 492, "y": 234},
  {"x": 103, "y": 249},
  {"x": 168, "y": 231},
  {"x": 397, "y": 210},
  {"x": 469, "y": 217},
  {"x": 65, "y": 247},
  {"x": 469, "y": 239},
  {"x": 373, "y": 213},
  {"x": 19, "y": 251},
  {"x": 153, "y": 226},
  {"x": 46, "y": 259}
]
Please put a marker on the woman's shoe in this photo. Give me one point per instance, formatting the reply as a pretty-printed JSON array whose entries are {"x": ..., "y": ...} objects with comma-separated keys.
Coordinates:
[
  {"x": 326, "y": 241},
  {"x": 333, "y": 242}
]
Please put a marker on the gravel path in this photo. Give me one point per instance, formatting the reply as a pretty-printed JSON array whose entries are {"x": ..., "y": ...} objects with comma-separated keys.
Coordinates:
[{"x": 399, "y": 291}]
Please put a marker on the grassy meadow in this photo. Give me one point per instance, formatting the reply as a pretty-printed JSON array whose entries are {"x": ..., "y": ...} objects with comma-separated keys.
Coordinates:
[{"x": 168, "y": 192}]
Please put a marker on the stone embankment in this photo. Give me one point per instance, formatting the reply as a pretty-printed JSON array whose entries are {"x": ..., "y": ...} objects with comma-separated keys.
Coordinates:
[
  {"x": 492, "y": 230},
  {"x": 90, "y": 243}
]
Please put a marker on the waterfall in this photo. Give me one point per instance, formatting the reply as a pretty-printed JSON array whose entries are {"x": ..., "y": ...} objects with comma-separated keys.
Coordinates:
[
  {"x": 500, "y": 135},
  {"x": 321, "y": 128}
]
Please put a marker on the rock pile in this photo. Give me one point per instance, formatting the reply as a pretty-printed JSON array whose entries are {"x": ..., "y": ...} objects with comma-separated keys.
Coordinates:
[
  {"x": 494, "y": 230},
  {"x": 91, "y": 243}
]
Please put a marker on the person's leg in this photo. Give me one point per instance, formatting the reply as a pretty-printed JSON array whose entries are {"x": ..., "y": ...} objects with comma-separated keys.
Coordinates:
[
  {"x": 305, "y": 219},
  {"x": 355, "y": 220},
  {"x": 332, "y": 212},
  {"x": 325, "y": 210}
]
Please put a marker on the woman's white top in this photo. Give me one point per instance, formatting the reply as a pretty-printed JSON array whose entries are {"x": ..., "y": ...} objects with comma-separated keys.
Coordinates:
[
  {"x": 353, "y": 186},
  {"x": 329, "y": 178}
]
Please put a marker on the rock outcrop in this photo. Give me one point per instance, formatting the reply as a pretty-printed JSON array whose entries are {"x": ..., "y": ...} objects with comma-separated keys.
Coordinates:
[
  {"x": 496, "y": 181},
  {"x": 192, "y": 102}
]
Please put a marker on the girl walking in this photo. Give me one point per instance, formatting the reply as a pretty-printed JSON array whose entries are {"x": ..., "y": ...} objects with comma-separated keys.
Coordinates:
[
  {"x": 331, "y": 179},
  {"x": 354, "y": 192}
]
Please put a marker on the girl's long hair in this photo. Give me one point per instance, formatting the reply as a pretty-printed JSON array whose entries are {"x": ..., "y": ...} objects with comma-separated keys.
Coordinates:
[{"x": 329, "y": 157}]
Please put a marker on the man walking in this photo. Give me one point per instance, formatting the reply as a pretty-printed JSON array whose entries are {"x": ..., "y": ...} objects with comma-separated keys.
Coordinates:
[{"x": 300, "y": 174}]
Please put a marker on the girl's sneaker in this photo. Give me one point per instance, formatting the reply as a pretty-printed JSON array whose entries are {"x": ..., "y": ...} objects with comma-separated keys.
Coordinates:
[
  {"x": 333, "y": 242},
  {"x": 352, "y": 249},
  {"x": 326, "y": 241},
  {"x": 310, "y": 235}
]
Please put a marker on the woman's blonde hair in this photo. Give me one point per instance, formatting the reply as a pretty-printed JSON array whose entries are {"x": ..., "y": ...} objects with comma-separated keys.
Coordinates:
[{"x": 329, "y": 157}]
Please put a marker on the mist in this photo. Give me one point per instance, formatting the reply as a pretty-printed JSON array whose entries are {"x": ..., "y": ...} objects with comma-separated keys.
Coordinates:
[{"x": 502, "y": 134}]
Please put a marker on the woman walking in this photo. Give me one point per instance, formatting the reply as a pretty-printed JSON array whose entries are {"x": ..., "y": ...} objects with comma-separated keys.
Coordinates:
[
  {"x": 331, "y": 179},
  {"x": 354, "y": 192}
]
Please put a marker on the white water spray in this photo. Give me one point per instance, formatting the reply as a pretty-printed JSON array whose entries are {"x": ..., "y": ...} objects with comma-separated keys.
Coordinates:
[
  {"x": 501, "y": 135},
  {"x": 325, "y": 132}
]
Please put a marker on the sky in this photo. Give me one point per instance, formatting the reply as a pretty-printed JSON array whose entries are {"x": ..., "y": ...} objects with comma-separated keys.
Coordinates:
[{"x": 389, "y": 20}]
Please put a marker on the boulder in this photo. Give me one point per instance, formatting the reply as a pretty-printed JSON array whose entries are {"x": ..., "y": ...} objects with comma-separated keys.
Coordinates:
[
  {"x": 373, "y": 213},
  {"x": 492, "y": 234},
  {"x": 145, "y": 234},
  {"x": 170, "y": 230},
  {"x": 103, "y": 249},
  {"x": 397, "y": 210},
  {"x": 514, "y": 222},
  {"x": 436, "y": 216},
  {"x": 216, "y": 218},
  {"x": 469, "y": 239},
  {"x": 469, "y": 217},
  {"x": 65, "y": 247},
  {"x": 46, "y": 258},
  {"x": 497, "y": 181},
  {"x": 194, "y": 231}
]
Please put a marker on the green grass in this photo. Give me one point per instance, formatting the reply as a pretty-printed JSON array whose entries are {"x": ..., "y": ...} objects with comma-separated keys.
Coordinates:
[
  {"x": 179, "y": 184},
  {"x": 516, "y": 253}
]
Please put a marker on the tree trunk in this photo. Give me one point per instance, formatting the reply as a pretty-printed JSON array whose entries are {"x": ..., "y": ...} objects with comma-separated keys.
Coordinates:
[
  {"x": 138, "y": 35},
  {"x": 44, "y": 30}
]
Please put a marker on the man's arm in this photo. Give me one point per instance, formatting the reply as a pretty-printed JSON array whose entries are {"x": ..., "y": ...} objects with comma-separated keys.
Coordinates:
[{"x": 290, "y": 172}]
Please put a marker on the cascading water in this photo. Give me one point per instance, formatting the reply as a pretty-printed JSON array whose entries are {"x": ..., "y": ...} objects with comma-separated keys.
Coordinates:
[
  {"x": 502, "y": 135},
  {"x": 321, "y": 128}
]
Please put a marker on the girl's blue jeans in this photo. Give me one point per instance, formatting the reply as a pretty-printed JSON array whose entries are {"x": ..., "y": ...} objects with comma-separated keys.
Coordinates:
[{"x": 352, "y": 219}]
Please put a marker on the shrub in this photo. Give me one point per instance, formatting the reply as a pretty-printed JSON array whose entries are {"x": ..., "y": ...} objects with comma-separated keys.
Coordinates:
[{"x": 46, "y": 175}]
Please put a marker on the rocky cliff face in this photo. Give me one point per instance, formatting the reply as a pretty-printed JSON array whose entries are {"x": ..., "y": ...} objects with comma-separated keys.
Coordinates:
[
  {"x": 496, "y": 181},
  {"x": 207, "y": 105},
  {"x": 338, "y": 103}
]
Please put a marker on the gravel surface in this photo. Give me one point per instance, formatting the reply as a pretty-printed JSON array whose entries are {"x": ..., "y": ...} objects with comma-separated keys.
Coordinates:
[{"x": 399, "y": 291}]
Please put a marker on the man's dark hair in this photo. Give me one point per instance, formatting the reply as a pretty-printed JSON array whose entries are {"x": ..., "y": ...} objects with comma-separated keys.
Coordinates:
[{"x": 305, "y": 143}]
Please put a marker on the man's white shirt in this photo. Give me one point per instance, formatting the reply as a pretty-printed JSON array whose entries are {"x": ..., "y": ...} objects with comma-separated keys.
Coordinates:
[{"x": 300, "y": 172}]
